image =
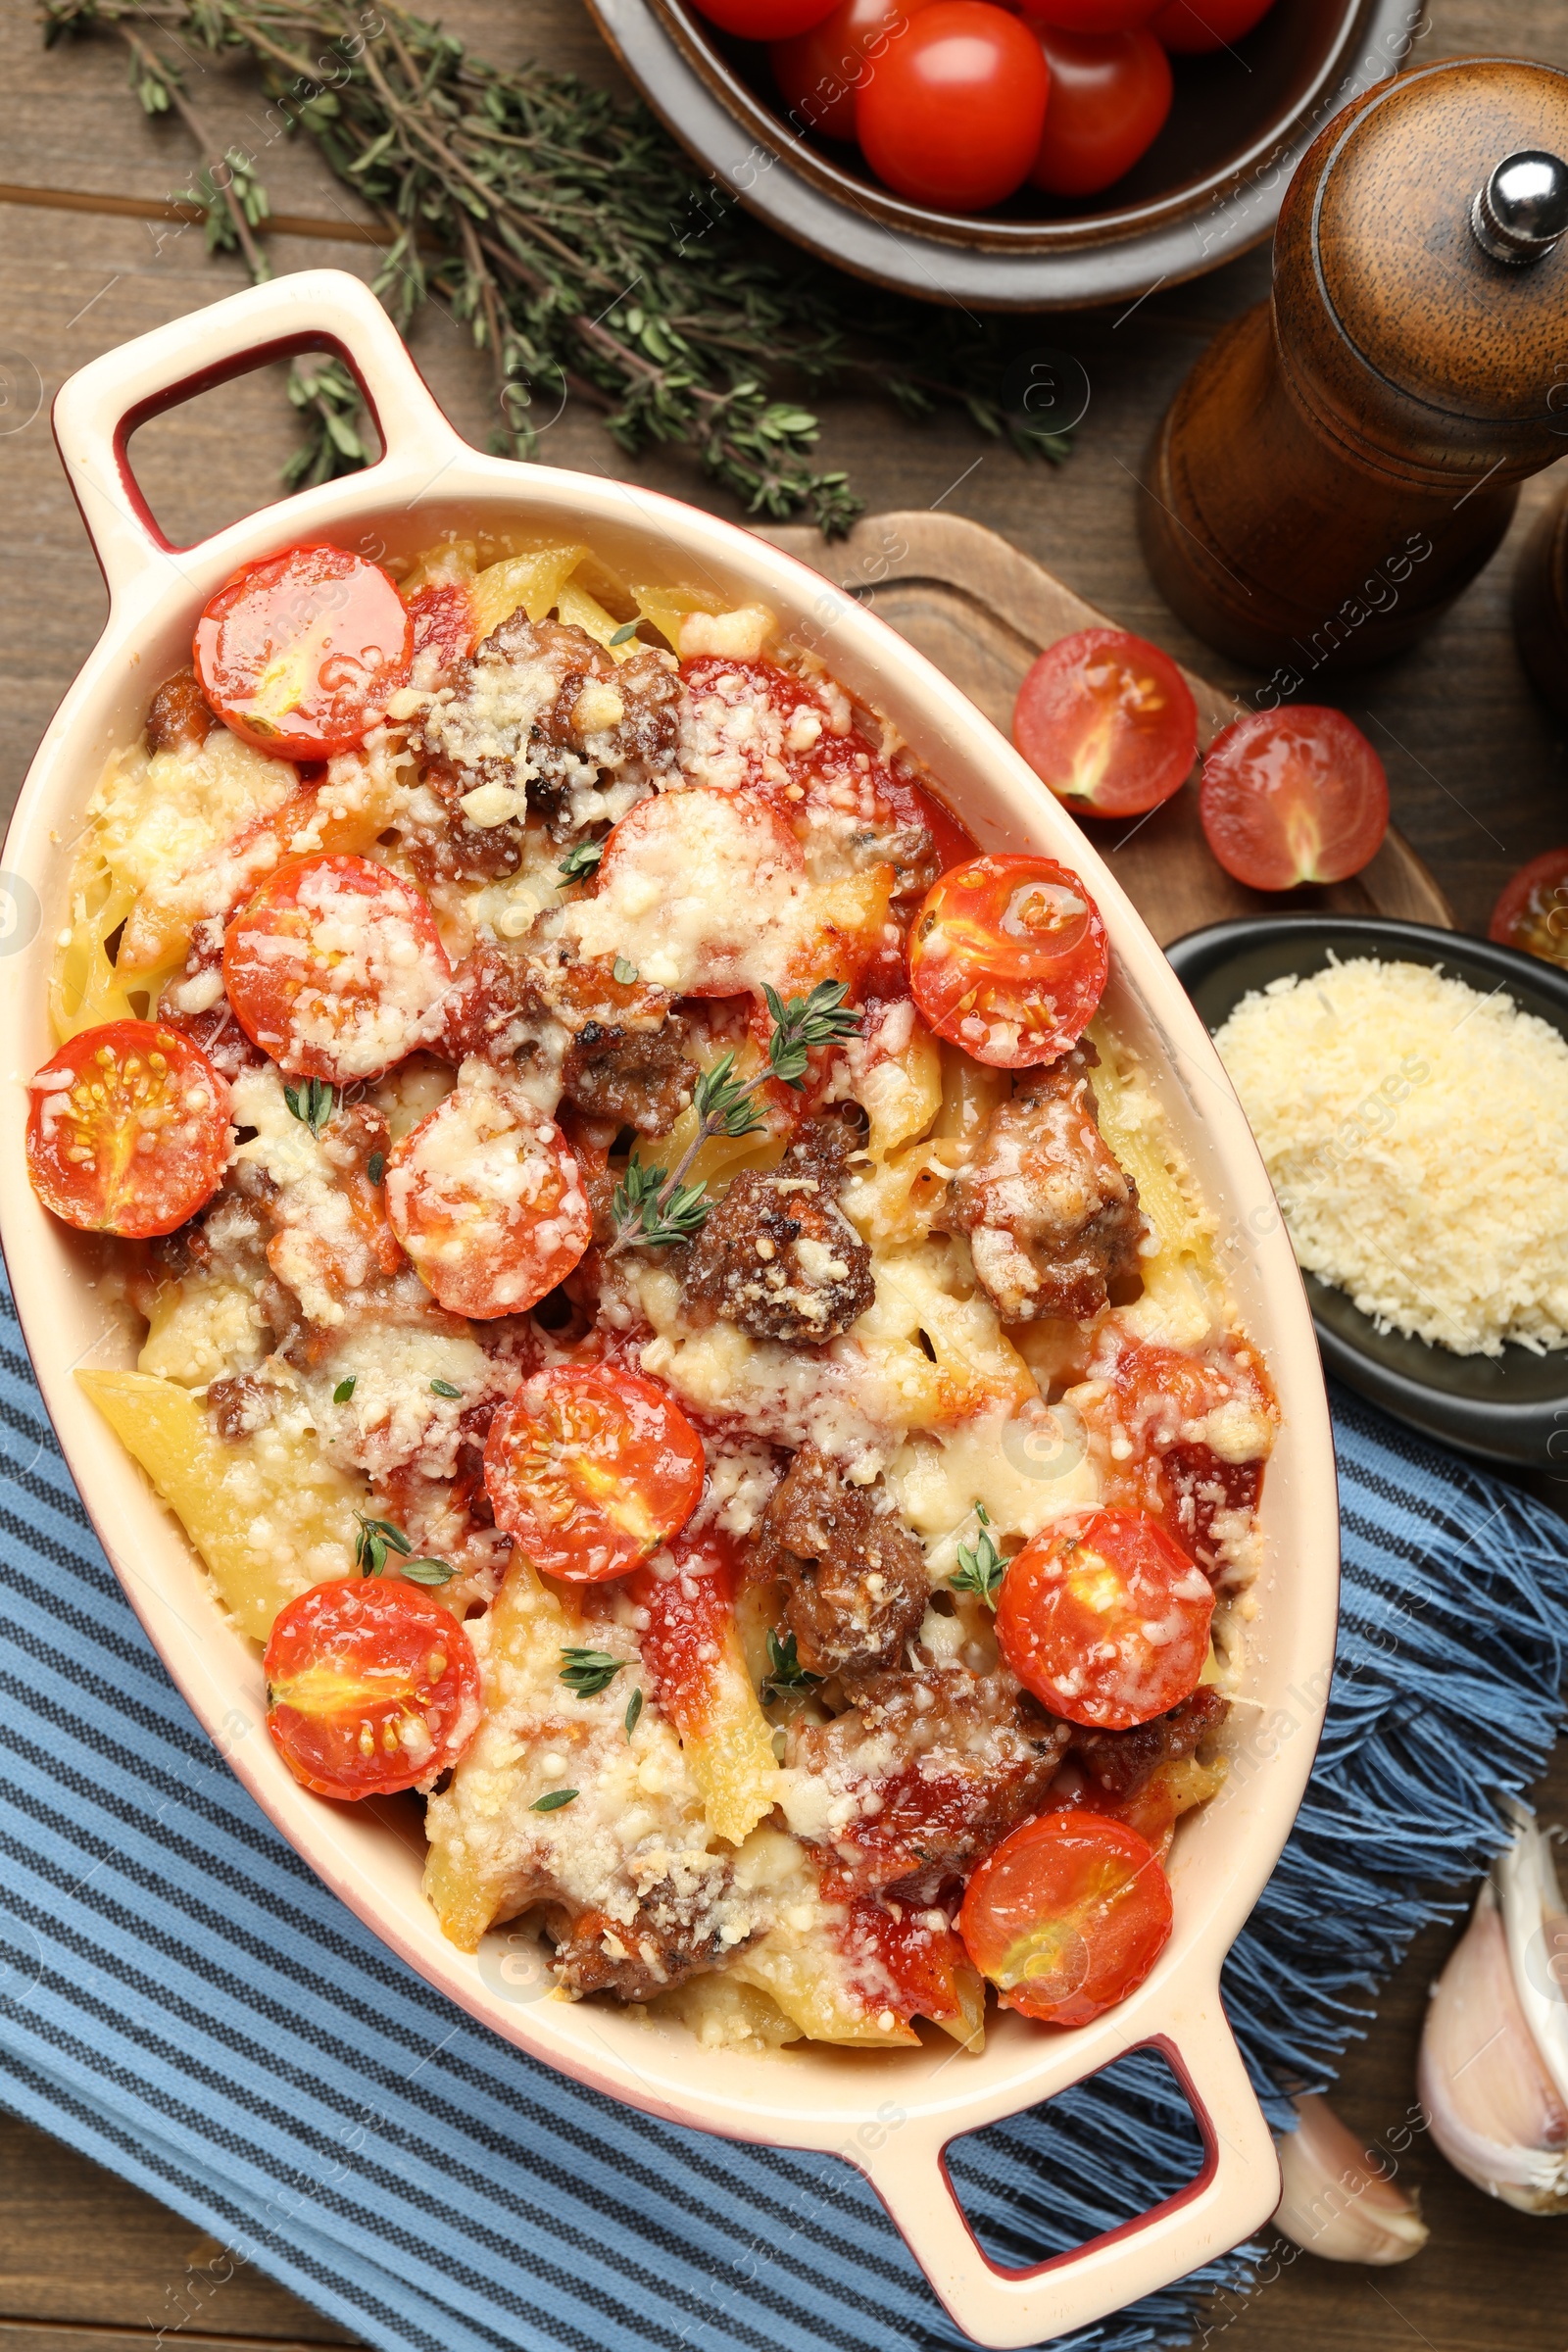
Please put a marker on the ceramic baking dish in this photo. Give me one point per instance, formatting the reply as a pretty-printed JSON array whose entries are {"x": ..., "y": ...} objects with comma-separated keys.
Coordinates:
[{"x": 891, "y": 2114}]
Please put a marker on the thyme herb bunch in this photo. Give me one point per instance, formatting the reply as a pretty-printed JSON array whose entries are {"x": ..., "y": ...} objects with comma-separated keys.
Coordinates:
[{"x": 568, "y": 232}]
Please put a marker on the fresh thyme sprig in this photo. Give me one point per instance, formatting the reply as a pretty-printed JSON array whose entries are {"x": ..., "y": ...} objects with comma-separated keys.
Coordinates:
[
  {"x": 784, "y": 1669},
  {"x": 981, "y": 1566},
  {"x": 651, "y": 1208},
  {"x": 379, "y": 1537},
  {"x": 565, "y": 230},
  {"x": 331, "y": 405},
  {"x": 589, "y": 1671},
  {"x": 581, "y": 858},
  {"x": 313, "y": 1105}
]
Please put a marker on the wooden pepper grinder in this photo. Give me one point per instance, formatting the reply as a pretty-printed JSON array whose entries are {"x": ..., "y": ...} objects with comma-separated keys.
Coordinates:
[{"x": 1344, "y": 459}]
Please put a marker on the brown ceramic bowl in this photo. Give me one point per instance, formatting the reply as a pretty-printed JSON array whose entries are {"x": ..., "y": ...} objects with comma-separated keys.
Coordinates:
[{"x": 1208, "y": 188}]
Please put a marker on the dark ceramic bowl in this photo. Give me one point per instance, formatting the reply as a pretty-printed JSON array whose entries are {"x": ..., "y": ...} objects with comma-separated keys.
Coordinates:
[
  {"x": 1514, "y": 1407},
  {"x": 1208, "y": 187}
]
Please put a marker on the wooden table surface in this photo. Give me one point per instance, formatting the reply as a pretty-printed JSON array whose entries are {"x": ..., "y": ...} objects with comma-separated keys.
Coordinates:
[{"x": 1475, "y": 768}]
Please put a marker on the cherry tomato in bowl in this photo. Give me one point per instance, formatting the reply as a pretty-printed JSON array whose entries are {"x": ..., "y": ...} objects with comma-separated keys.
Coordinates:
[
  {"x": 127, "y": 1130},
  {"x": 486, "y": 1197},
  {"x": 1194, "y": 27},
  {"x": 300, "y": 655},
  {"x": 1531, "y": 910},
  {"x": 1107, "y": 720},
  {"x": 372, "y": 1686},
  {"x": 1297, "y": 795},
  {"x": 1067, "y": 1916},
  {"x": 1110, "y": 93},
  {"x": 1105, "y": 1619},
  {"x": 1008, "y": 959},
  {"x": 591, "y": 1469},
  {"x": 1090, "y": 16},
  {"x": 953, "y": 112},
  {"x": 336, "y": 969},
  {"x": 764, "y": 20},
  {"x": 820, "y": 72}
]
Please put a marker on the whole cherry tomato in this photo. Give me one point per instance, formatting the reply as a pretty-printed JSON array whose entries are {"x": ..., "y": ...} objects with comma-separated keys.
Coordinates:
[
  {"x": 1107, "y": 720},
  {"x": 1193, "y": 27},
  {"x": 301, "y": 654},
  {"x": 953, "y": 115},
  {"x": 1067, "y": 1916},
  {"x": 1110, "y": 95},
  {"x": 591, "y": 1469},
  {"x": 820, "y": 72},
  {"x": 371, "y": 1686},
  {"x": 1532, "y": 913},
  {"x": 1008, "y": 959},
  {"x": 486, "y": 1197},
  {"x": 127, "y": 1130},
  {"x": 1289, "y": 796},
  {"x": 1105, "y": 1619},
  {"x": 336, "y": 969},
  {"x": 764, "y": 20}
]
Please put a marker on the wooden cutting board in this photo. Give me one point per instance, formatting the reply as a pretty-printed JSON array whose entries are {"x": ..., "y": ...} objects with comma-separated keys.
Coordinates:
[{"x": 982, "y": 611}]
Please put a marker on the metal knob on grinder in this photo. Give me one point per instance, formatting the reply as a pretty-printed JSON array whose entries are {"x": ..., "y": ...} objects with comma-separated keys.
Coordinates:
[
  {"x": 1344, "y": 459},
  {"x": 1521, "y": 211}
]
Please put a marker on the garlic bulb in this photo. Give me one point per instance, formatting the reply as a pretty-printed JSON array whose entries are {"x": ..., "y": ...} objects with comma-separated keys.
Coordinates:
[
  {"x": 1494, "y": 2068},
  {"x": 1336, "y": 2203}
]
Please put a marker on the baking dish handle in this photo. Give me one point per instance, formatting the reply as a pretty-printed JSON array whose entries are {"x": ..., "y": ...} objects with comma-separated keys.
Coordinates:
[
  {"x": 1234, "y": 2194},
  {"x": 99, "y": 407}
]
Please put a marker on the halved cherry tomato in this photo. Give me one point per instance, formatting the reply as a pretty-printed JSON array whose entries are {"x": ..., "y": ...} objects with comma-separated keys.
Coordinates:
[
  {"x": 1105, "y": 1619},
  {"x": 591, "y": 1469},
  {"x": 1008, "y": 959},
  {"x": 1193, "y": 27},
  {"x": 953, "y": 115},
  {"x": 301, "y": 654},
  {"x": 1067, "y": 1916},
  {"x": 486, "y": 1197},
  {"x": 336, "y": 969},
  {"x": 820, "y": 72},
  {"x": 1291, "y": 796},
  {"x": 127, "y": 1131},
  {"x": 1107, "y": 720},
  {"x": 372, "y": 1686},
  {"x": 1532, "y": 913},
  {"x": 1110, "y": 95},
  {"x": 764, "y": 20},
  {"x": 1149, "y": 1425}
]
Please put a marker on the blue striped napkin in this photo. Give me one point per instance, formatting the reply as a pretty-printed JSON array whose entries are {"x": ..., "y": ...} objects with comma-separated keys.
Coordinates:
[{"x": 184, "y": 2004}]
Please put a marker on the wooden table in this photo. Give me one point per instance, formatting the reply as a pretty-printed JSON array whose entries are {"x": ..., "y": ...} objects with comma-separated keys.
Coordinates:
[{"x": 1475, "y": 767}]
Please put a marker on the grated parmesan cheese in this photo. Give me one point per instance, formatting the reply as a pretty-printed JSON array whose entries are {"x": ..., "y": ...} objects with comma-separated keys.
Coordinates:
[{"x": 1416, "y": 1133}]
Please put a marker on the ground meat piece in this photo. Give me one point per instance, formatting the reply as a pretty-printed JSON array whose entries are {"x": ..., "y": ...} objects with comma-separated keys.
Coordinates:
[
  {"x": 180, "y": 713},
  {"x": 933, "y": 1768},
  {"x": 540, "y": 709},
  {"x": 672, "y": 1937},
  {"x": 1122, "y": 1762},
  {"x": 617, "y": 1045},
  {"x": 454, "y": 851},
  {"x": 777, "y": 1255},
  {"x": 1054, "y": 1223},
  {"x": 639, "y": 1078},
  {"x": 239, "y": 1406},
  {"x": 854, "y": 1578}
]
